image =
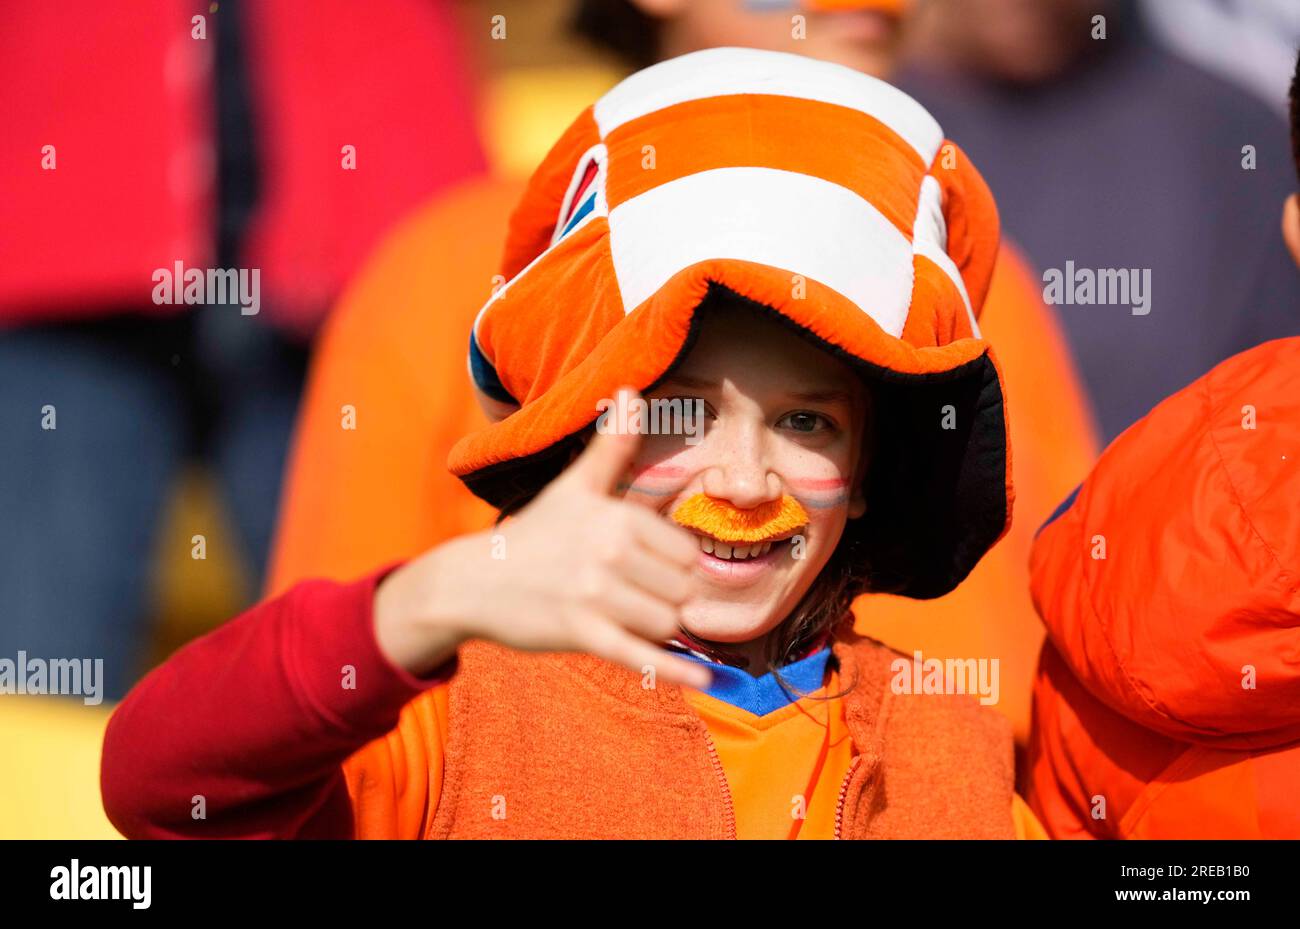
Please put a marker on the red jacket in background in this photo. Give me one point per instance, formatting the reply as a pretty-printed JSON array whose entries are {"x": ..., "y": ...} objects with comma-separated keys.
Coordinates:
[
  {"x": 1167, "y": 702},
  {"x": 125, "y": 95}
]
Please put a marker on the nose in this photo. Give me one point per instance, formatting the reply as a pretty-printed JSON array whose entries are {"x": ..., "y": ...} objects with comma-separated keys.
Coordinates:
[{"x": 740, "y": 473}]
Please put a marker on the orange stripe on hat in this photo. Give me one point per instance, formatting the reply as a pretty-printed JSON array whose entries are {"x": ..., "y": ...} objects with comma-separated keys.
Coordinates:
[{"x": 768, "y": 131}]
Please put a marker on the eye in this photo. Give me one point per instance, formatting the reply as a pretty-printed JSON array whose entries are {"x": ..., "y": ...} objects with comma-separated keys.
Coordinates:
[{"x": 807, "y": 422}]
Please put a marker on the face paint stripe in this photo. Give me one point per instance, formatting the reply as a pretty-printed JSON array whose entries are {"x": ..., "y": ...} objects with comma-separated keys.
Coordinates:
[
  {"x": 662, "y": 470},
  {"x": 825, "y": 503},
  {"x": 814, "y": 483},
  {"x": 641, "y": 489}
]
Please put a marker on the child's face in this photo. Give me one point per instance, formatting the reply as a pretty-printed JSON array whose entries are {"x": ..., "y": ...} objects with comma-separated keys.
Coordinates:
[
  {"x": 782, "y": 418},
  {"x": 864, "y": 36}
]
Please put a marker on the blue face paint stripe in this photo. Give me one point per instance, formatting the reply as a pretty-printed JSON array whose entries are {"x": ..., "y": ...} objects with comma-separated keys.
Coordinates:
[
  {"x": 641, "y": 490},
  {"x": 837, "y": 500}
]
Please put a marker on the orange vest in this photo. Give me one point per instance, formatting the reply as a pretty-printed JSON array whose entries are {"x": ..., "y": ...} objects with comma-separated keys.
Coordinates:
[{"x": 572, "y": 746}]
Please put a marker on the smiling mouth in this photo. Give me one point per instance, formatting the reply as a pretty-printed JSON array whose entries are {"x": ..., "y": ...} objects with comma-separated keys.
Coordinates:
[{"x": 741, "y": 551}]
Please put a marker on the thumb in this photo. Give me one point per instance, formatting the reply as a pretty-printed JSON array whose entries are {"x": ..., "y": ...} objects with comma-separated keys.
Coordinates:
[{"x": 611, "y": 449}]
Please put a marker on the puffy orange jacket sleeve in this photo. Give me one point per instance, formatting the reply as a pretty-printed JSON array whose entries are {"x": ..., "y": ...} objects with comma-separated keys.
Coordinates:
[
  {"x": 389, "y": 394},
  {"x": 1054, "y": 444}
]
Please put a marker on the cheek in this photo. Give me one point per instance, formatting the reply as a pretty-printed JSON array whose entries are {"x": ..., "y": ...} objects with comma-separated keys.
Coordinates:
[
  {"x": 655, "y": 475},
  {"x": 820, "y": 480},
  {"x": 826, "y": 499},
  {"x": 820, "y": 493}
]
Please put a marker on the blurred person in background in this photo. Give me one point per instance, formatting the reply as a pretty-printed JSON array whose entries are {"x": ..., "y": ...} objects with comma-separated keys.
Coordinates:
[
  {"x": 1249, "y": 42},
  {"x": 1167, "y": 703},
  {"x": 1112, "y": 153},
  {"x": 141, "y": 135},
  {"x": 393, "y": 353}
]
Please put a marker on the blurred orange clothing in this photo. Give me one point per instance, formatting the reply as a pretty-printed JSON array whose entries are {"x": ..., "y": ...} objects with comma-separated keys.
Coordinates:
[{"x": 389, "y": 394}]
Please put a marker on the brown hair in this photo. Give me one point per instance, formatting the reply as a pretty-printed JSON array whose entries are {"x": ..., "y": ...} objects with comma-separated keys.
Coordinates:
[{"x": 619, "y": 27}]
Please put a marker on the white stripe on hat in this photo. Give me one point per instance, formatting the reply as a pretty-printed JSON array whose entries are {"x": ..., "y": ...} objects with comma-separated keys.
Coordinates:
[
  {"x": 784, "y": 219},
  {"x": 930, "y": 238},
  {"x": 717, "y": 72}
]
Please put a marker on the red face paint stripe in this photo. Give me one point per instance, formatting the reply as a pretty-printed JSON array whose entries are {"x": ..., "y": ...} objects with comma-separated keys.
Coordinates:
[{"x": 661, "y": 470}]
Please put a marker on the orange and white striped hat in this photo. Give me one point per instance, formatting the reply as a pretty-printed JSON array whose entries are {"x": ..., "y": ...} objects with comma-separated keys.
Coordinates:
[{"x": 823, "y": 194}]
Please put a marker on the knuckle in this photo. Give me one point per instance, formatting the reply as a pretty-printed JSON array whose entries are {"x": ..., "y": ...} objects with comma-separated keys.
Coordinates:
[
  {"x": 621, "y": 519},
  {"x": 611, "y": 556},
  {"x": 591, "y": 586}
]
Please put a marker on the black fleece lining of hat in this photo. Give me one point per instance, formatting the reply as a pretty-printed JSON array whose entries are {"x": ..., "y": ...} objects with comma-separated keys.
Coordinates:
[{"x": 936, "y": 498}]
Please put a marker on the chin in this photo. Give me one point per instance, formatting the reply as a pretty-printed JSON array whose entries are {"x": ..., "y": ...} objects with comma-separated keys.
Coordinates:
[{"x": 730, "y": 622}]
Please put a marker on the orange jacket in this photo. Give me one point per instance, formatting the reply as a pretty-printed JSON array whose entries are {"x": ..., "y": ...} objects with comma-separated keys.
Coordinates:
[
  {"x": 674, "y": 763},
  {"x": 393, "y": 353},
  {"x": 1167, "y": 704}
]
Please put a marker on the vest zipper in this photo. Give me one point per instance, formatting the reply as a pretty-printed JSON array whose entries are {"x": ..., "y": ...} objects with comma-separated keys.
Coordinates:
[
  {"x": 730, "y": 812},
  {"x": 844, "y": 789}
]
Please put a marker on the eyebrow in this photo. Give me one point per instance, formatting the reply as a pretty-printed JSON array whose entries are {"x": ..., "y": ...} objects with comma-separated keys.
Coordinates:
[{"x": 816, "y": 395}]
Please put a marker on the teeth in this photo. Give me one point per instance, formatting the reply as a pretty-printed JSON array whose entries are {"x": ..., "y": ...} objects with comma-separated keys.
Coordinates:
[{"x": 733, "y": 552}]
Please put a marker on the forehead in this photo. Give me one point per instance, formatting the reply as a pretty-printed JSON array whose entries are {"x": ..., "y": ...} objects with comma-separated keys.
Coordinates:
[{"x": 742, "y": 345}]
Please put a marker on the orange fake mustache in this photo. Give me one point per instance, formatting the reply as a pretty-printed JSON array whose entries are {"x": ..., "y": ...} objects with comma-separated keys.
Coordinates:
[{"x": 729, "y": 524}]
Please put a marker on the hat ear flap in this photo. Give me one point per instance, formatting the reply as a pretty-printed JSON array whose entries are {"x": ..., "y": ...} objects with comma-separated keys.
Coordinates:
[
  {"x": 971, "y": 218},
  {"x": 532, "y": 225}
]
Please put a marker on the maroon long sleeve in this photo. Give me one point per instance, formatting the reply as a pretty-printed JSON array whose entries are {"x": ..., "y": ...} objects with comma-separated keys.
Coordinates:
[{"x": 253, "y": 722}]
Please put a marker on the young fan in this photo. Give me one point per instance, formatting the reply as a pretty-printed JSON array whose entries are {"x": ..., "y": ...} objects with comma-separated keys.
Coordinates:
[{"x": 655, "y": 641}]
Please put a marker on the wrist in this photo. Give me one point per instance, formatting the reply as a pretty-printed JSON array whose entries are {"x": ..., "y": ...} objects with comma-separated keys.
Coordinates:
[{"x": 423, "y": 610}]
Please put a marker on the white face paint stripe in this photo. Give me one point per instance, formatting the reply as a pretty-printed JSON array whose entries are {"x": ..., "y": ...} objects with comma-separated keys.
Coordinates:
[
  {"x": 718, "y": 72},
  {"x": 783, "y": 219}
]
